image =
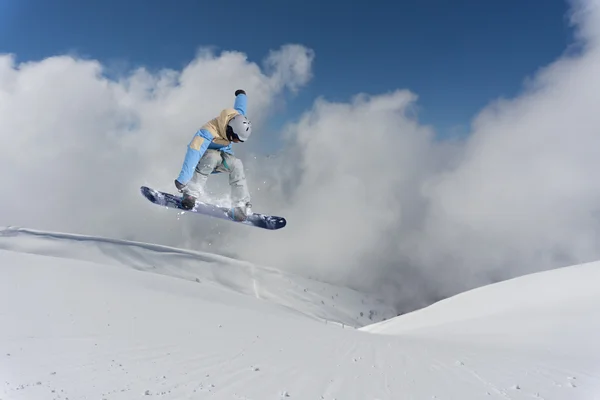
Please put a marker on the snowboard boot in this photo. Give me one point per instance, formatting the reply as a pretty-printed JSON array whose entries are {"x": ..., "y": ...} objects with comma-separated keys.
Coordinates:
[
  {"x": 188, "y": 202},
  {"x": 241, "y": 212}
]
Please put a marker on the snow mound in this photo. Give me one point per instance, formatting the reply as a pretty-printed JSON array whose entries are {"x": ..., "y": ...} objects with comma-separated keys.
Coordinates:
[
  {"x": 82, "y": 318},
  {"x": 542, "y": 303},
  {"x": 319, "y": 300}
]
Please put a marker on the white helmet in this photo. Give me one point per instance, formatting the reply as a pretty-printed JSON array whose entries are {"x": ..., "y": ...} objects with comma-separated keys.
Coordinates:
[{"x": 239, "y": 127}]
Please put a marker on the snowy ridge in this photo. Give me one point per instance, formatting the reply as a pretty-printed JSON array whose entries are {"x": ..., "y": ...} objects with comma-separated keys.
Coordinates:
[
  {"x": 89, "y": 318},
  {"x": 313, "y": 298},
  {"x": 528, "y": 298}
]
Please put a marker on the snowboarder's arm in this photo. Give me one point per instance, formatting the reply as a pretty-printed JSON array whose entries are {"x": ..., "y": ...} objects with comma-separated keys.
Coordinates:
[
  {"x": 241, "y": 100},
  {"x": 195, "y": 150}
]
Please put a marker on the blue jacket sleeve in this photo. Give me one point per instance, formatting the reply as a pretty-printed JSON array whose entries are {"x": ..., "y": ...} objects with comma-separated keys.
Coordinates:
[
  {"x": 196, "y": 149},
  {"x": 241, "y": 101}
]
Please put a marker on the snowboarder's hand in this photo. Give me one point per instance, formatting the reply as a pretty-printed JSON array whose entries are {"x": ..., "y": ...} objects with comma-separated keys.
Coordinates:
[
  {"x": 240, "y": 91},
  {"x": 180, "y": 186}
]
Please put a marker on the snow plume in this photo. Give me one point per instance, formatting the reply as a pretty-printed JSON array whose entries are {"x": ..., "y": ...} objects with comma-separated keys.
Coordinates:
[{"x": 372, "y": 198}]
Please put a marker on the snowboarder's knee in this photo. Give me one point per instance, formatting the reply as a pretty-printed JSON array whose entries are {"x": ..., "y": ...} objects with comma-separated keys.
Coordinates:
[
  {"x": 208, "y": 162},
  {"x": 236, "y": 170},
  {"x": 236, "y": 164}
]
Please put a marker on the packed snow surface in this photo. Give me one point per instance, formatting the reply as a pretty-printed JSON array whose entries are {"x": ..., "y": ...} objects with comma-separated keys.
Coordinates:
[{"x": 94, "y": 318}]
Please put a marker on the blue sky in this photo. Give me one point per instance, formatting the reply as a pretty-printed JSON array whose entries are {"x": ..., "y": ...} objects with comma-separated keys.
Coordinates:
[{"x": 456, "y": 55}]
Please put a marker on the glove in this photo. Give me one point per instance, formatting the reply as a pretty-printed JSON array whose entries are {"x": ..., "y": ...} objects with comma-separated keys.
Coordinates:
[
  {"x": 240, "y": 91},
  {"x": 180, "y": 186}
]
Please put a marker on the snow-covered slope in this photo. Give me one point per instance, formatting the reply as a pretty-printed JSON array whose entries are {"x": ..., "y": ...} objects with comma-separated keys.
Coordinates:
[
  {"x": 77, "y": 323},
  {"x": 556, "y": 302},
  {"x": 313, "y": 298}
]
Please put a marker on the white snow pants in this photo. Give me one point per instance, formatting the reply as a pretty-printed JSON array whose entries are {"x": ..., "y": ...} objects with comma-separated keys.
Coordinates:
[{"x": 218, "y": 161}]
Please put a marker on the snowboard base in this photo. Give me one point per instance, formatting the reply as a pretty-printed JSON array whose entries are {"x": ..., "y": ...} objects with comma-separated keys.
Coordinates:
[{"x": 169, "y": 200}]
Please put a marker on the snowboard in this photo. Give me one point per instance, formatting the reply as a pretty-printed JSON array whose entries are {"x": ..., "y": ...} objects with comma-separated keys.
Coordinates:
[{"x": 169, "y": 200}]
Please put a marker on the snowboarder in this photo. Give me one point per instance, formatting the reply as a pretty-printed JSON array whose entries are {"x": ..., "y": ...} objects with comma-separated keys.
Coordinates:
[{"x": 210, "y": 151}]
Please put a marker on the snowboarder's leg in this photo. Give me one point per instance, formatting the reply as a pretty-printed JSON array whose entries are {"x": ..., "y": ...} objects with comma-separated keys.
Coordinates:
[
  {"x": 237, "y": 179},
  {"x": 207, "y": 164},
  {"x": 240, "y": 195}
]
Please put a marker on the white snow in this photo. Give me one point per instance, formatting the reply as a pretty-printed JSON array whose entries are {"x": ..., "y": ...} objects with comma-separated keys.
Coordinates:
[
  {"x": 93, "y": 318},
  {"x": 312, "y": 298}
]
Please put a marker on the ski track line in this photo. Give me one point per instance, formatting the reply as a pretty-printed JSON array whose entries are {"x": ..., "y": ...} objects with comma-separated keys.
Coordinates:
[{"x": 254, "y": 283}]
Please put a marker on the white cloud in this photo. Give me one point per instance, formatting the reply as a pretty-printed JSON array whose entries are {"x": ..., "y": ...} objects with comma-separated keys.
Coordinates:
[
  {"x": 291, "y": 65},
  {"x": 380, "y": 204},
  {"x": 372, "y": 199}
]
